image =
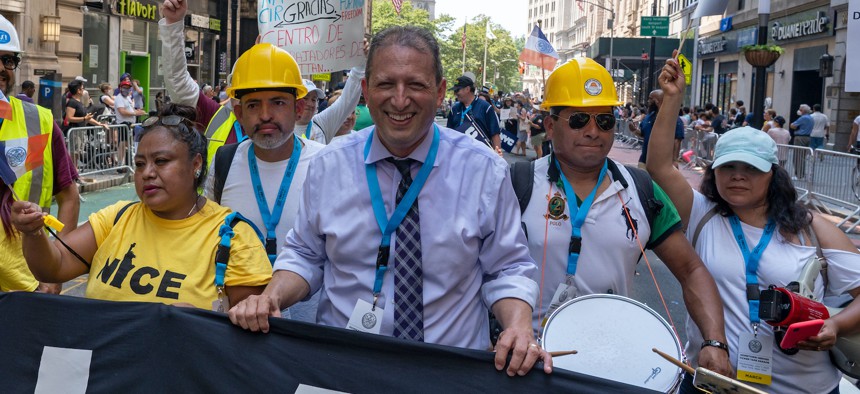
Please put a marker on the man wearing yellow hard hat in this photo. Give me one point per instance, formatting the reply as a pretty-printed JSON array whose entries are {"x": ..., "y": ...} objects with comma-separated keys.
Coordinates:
[
  {"x": 261, "y": 177},
  {"x": 583, "y": 212}
]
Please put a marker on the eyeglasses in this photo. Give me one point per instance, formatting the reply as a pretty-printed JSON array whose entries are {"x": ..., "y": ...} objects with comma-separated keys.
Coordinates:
[
  {"x": 578, "y": 120},
  {"x": 10, "y": 62},
  {"x": 170, "y": 120}
]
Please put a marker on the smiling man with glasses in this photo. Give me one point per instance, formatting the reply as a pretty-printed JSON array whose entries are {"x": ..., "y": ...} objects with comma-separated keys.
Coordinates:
[
  {"x": 586, "y": 214},
  {"x": 55, "y": 178}
]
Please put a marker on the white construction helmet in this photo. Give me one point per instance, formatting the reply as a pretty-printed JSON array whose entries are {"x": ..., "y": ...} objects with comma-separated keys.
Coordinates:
[{"x": 8, "y": 36}]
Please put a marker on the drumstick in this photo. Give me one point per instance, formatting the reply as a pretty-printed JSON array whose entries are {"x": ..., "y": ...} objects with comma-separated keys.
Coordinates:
[
  {"x": 562, "y": 353},
  {"x": 672, "y": 360}
]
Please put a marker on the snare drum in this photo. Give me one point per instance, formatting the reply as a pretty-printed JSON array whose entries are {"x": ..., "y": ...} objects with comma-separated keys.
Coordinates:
[{"x": 613, "y": 336}]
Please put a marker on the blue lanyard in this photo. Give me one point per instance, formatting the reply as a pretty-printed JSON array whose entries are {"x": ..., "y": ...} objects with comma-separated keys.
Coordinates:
[
  {"x": 271, "y": 219},
  {"x": 578, "y": 214},
  {"x": 466, "y": 111},
  {"x": 751, "y": 260},
  {"x": 240, "y": 136},
  {"x": 387, "y": 226},
  {"x": 308, "y": 130}
]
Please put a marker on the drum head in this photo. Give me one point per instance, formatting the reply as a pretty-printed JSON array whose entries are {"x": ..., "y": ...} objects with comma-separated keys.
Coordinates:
[{"x": 614, "y": 336}]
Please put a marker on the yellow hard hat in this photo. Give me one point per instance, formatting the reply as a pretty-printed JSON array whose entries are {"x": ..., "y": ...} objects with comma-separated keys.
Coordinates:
[
  {"x": 265, "y": 67},
  {"x": 581, "y": 82}
]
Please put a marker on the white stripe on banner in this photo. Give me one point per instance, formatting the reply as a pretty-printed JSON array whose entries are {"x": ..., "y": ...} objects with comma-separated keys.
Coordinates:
[
  {"x": 305, "y": 389},
  {"x": 63, "y": 370}
]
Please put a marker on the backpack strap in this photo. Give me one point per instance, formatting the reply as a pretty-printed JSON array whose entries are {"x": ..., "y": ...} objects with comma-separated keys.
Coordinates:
[
  {"x": 707, "y": 217},
  {"x": 226, "y": 233},
  {"x": 223, "y": 158},
  {"x": 522, "y": 177},
  {"x": 810, "y": 233},
  {"x": 645, "y": 191},
  {"x": 122, "y": 211}
]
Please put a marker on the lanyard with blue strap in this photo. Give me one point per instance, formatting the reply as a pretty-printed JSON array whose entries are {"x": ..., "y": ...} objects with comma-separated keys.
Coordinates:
[
  {"x": 308, "y": 130},
  {"x": 271, "y": 219},
  {"x": 387, "y": 226},
  {"x": 240, "y": 136},
  {"x": 751, "y": 260},
  {"x": 578, "y": 214},
  {"x": 465, "y": 111}
]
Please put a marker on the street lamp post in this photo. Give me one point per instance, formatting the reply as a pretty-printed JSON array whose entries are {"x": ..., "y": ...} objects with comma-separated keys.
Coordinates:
[{"x": 760, "y": 83}]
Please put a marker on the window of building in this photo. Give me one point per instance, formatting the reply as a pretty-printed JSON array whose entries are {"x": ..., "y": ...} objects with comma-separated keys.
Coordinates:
[
  {"x": 96, "y": 34},
  {"x": 553, "y": 6},
  {"x": 741, "y": 4}
]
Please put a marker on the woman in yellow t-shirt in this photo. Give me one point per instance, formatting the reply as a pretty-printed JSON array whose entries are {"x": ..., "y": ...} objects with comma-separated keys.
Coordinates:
[{"x": 162, "y": 249}]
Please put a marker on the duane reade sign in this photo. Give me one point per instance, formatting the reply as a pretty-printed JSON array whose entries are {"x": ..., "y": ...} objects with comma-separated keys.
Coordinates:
[{"x": 806, "y": 27}]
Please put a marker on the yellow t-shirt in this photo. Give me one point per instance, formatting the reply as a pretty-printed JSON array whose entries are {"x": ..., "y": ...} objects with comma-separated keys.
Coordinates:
[
  {"x": 14, "y": 273},
  {"x": 147, "y": 258}
]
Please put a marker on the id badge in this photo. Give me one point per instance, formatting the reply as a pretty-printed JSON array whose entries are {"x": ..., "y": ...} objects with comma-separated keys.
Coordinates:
[
  {"x": 755, "y": 358},
  {"x": 221, "y": 303},
  {"x": 565, "y": 292},
  {"x": 365, "y": 318}
]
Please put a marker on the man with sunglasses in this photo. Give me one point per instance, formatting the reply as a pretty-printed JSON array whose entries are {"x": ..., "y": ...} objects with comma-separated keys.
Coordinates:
[
  {"x": 55, "y": 178},
  {"x": 586, "y": 219}
]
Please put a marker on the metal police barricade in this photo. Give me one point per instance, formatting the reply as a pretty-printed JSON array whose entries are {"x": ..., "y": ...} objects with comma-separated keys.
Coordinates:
[
  {"x": 95, "y": 150},
  {"x": 835, "y": 188},
  {"x": 797, "y": 161}
]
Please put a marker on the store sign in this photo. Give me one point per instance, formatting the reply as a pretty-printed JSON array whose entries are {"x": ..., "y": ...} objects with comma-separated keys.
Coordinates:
[
  {"x": 43, "y": 71},
  {"x": 852, "y": 48},
  {"x": 200, "y": 21},
  {"x": 321, "y": 77},
  {"x": 137, "y": 9},
  {"x": 747, "y": 37},
  {"x": 716, "y": 46},
  {"x": 785, "y": 31},
  {"x": 214, "y": 24}
]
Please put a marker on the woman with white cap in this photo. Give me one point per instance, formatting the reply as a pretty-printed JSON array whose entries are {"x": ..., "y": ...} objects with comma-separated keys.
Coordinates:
[{"x": 747, "y": 202}]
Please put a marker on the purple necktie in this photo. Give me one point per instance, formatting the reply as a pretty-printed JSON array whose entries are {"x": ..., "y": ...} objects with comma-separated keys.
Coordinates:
[{"x": 408, "y": 285}]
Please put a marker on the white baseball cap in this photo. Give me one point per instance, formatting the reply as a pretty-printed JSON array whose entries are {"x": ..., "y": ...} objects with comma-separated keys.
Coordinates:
[{"x": 313, "y": 88}]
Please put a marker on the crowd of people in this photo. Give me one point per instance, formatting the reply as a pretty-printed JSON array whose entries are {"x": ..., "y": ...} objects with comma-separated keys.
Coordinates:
[{"x": 368, "y": 215}]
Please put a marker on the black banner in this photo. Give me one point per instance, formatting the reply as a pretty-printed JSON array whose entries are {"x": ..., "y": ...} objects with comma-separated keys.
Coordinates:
[{"x": 144, "y": 347}]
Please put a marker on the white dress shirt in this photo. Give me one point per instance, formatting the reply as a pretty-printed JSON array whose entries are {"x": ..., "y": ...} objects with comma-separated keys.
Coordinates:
[{"x": 474, "y": 252}]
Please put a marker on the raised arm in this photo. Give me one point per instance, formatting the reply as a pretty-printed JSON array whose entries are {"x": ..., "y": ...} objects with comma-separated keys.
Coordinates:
[
  {"x": 660, "y": 156},
  {"x": 180, "y": 86}
]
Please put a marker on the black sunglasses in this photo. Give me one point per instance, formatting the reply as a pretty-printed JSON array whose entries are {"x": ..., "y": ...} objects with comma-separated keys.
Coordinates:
[
  {"x": 578, "y": 120},
  {"x": 170, "y": 120},
  {"x": 10, "y": 62}
]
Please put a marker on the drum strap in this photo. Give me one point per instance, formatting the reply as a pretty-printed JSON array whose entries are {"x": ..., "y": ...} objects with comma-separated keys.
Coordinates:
[{"x": 648, "y": 264}]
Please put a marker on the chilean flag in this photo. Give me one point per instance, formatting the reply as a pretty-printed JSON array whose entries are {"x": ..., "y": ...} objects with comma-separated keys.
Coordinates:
[
  {"x": 538, "y": 51},
  {"x": 21, "y": 155}
]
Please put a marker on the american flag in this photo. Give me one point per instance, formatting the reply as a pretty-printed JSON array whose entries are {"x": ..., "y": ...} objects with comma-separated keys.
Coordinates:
[
  {"x": 464, "y": 37},
  {"x": 397, "y": 5},
  {"x": 579, "y": 3}
]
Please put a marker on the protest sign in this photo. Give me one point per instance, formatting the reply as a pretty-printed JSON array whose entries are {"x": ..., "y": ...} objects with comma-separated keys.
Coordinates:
[{"x": 322, "y": 35}]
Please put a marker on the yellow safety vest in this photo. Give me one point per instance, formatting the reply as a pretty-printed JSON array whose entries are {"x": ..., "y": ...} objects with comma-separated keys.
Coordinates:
[
  {"x": 29, "y": 120},
  {"x": 218, "y": 130}
]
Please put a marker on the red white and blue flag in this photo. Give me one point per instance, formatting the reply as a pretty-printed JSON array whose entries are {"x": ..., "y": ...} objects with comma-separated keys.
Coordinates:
[
  {"x": 538, "y": 51},
  {"x": 397, "y": 5},
  {"x": 21, "y": 155}
]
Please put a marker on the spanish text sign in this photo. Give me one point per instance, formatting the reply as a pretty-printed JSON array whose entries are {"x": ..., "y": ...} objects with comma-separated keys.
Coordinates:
[{"x": 322, "y": 35}]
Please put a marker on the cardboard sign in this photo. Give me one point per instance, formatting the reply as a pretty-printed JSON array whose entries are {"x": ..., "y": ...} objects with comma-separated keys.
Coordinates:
[{"x": 323, "y": 36}]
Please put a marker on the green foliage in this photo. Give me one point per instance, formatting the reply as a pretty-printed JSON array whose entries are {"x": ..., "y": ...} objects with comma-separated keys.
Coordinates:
[
  {"x": 770, "y": 48},
  {"x": 504, "y": 50}
]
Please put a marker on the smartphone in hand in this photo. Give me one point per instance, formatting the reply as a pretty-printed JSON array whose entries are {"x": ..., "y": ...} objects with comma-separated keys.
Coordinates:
[{"x": 800, "y": 331}]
